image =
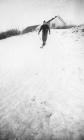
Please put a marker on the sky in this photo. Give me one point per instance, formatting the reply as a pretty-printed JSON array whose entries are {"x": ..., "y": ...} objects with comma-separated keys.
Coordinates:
[{"x": 22, "y": 13}]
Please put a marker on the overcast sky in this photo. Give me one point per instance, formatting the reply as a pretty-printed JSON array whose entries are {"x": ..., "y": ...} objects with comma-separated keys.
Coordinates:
[{"x": 22, "y": 13}]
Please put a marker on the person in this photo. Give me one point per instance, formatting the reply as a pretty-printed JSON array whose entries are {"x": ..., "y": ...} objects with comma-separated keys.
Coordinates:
[{"x": 44, "y": 28}]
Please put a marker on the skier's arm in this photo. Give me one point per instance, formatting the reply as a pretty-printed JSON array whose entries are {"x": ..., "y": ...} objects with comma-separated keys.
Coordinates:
[
  {"x": 40, "y": 29},
  {"x": 49, "y": 30}
]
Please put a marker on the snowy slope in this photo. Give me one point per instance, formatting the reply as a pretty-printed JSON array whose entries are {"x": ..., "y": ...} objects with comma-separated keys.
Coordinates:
[{"x": 42, "y": 90}]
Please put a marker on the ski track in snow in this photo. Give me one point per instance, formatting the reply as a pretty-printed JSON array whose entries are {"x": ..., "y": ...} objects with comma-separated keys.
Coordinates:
[{"x": 42, "y": 90}]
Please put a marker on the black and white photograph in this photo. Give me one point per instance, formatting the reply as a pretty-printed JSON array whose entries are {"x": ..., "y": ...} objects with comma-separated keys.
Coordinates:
[{"x": 41, "y": 69}]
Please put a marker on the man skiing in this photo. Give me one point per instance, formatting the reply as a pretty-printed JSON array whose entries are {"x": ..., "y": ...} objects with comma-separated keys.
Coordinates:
[{"x": 44, "y": 28}]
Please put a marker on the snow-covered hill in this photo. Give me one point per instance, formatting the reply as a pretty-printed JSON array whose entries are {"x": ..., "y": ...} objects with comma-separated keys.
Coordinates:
[{"x": 42, "y": 90}]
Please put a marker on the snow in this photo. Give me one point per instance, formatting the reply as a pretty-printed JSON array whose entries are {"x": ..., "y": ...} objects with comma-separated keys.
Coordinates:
[{"x": 42, "y": 89}]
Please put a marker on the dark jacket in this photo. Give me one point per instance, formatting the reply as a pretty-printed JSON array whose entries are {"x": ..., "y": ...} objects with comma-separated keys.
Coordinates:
[{"x": 45, "y": 28}]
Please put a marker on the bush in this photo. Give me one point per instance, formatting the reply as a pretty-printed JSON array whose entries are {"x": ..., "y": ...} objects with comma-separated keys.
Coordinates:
[
  {"x": 82, "y": 30},
  {"x": 9, "y": 33},
  {"x": 29, "y": 29}
]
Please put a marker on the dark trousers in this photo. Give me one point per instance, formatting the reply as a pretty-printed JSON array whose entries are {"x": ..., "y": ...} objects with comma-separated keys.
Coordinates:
[{"x": 44, "y": 37}]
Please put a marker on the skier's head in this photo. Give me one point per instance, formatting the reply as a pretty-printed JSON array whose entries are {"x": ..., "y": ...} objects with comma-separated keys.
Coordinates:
[{"x": 44, "y": 22}]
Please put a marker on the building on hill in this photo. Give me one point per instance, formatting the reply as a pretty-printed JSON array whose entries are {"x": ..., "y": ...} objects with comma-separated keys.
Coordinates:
[{"x": 56, "y": 22}]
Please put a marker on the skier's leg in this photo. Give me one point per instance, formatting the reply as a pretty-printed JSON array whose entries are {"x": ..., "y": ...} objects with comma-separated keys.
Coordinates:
[
  {"x": 44, "y": 38},
  {"x": 44, "y": 43}
]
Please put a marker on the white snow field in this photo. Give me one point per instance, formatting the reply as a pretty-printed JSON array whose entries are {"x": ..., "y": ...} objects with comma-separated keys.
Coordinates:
[{"x": 42, "y": 90}]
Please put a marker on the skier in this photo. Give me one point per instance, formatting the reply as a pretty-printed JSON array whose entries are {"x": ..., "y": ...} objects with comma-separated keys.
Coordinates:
[{"x": 44, "y": 28}]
